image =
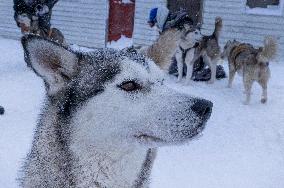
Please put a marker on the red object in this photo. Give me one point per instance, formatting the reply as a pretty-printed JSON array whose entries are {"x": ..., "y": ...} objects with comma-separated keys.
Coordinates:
[{"x": 121, "y": 19}]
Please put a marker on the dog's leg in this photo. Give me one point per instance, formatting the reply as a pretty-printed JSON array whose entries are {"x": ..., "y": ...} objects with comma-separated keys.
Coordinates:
[
  {"x": 232, "y": 73},
  {"x": 248, "y": 85},
  {"x": 263, "y": 84},
  {"x": 212, "y": 65},
  {"x": 189, "y": 64},
  {"x": 231, "y": 78},
  {"x": 189, "y": 71},
  {"x": 179, "y": 65}
]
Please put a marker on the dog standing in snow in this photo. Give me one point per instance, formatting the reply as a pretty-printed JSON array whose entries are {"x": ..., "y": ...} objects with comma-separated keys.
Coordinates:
[
  {"x": 185, "y": 52},
  {"x": 104, "y": 115},
  {"x": 251, "y": 63},
  {"x": 189, "y": 51}
]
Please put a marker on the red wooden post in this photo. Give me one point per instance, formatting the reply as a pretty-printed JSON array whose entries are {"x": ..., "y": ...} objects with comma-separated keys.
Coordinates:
[{"x": 121, "y": 19}]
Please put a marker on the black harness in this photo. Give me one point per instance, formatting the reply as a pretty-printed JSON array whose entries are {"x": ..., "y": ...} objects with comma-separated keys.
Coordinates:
[{"x": 184, "y": 51}]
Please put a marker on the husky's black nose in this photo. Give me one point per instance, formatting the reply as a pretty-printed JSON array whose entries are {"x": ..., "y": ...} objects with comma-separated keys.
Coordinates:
[{"x": 202, "y": 108}]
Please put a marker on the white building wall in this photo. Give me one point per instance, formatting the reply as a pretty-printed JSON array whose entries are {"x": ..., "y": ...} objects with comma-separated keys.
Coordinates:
[
  {"x": 143, "y": 34},
  {"x": 242, "y": 26},
  {"x": 83, "y": 22},
  {"x": 8, "y": 27}
]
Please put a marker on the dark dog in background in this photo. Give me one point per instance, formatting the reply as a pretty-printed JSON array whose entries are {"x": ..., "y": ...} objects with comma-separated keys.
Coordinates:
[{"x": 33, "y": 16}]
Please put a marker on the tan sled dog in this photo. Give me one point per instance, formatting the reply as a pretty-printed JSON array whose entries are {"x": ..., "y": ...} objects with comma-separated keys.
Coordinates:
[
  {"x": 252, "y": 63},
  {"x": 164, "y": 48}
]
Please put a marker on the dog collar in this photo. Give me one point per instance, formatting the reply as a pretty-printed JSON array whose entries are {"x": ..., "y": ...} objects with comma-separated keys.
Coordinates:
[
  {"x": 184, "y": 51},
  {"x": 187, "y": 49}
]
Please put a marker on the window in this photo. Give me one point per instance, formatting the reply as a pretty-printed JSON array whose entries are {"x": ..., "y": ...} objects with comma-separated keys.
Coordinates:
[
  {"x": 262, "y": 3},
  {"x": 264, "y": 7}
]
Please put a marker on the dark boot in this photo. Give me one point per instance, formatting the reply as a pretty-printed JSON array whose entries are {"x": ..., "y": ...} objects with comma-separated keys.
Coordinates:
[
  {"x": 200, "y": 72},
  {"x": 2, "y": 110}
]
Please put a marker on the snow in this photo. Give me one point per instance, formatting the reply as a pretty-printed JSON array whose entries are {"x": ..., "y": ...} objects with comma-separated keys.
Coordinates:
[
  {"x": 121, "y": 43},
  {"x": 242, "y": 146},
  {"x": 127, "y": 1},
  {"x": 21, "y": 96}
]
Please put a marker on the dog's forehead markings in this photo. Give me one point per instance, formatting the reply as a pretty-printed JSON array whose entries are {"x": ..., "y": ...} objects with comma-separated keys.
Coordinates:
[
  {"x": 130, "y": 67},
  {"x": 123, "y": 59},
  {"x": 103, "y": 65},
  {"x": 112, "y": 55}
]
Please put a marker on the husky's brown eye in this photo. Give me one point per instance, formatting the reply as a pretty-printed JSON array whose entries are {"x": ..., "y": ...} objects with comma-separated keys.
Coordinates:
[{"x": 130, "y": 86}]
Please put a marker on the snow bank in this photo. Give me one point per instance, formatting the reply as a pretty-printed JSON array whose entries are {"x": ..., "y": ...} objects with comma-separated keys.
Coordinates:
[
  {"x": 121, "y": 43},
  {"x": 21, "y": 94}
]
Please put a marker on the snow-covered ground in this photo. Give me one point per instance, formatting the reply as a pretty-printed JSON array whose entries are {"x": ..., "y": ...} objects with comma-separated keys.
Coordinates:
[
  {"x": 242, "y": 146},
  {"x": 121, "y": 43}
]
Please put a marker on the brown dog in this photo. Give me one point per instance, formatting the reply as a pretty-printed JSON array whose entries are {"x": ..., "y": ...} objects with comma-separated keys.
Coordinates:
[
  {"x": 164, "y": 48},
  {"x": 252, "y": 63}
]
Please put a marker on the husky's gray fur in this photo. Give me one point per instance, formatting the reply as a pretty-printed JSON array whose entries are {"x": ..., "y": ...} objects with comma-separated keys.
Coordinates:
[
  {"x": 104, "y": 115},
  {"x": 251, "y": 63}
]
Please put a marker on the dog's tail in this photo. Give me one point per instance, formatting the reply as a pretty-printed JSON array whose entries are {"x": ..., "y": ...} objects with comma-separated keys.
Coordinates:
[
  {"x": 269, "y": 51},
  {"x": 218, "y": 27}
]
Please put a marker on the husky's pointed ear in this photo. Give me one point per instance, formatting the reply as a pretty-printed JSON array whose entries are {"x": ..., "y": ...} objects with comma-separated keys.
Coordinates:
[{"x": 53, "y": 63}]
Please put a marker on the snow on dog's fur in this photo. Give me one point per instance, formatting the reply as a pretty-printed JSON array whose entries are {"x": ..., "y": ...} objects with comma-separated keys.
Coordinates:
[{"x": 104, "y": 115}]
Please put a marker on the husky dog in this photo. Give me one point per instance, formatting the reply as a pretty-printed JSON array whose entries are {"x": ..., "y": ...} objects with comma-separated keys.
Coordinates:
[
  {"x": 185, "y": 52},
  {"x": 252, "y": 63},
  {"x": 164, "y": 48},
  {"x": 105, "y": 113},
  {"x": 208, "y": 48}
]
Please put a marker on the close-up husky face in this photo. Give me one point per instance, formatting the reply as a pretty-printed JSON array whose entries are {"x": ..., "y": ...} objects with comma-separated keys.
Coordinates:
[{"x": 115, "y": 98}]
